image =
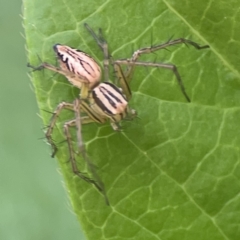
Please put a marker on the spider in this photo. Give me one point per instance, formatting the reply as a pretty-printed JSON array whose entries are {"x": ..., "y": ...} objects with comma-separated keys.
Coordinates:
[{"x": 99, "y": 101}]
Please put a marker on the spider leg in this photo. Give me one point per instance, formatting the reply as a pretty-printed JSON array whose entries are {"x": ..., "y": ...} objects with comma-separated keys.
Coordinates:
[
  {"x": 122, "y": 80},
  {"x": 131, "y": 113},
  {"x": 81, "y": 148},
  {"x": 129, "y": 72},
  {"x": 48, "y": 134},
  {"x": 68, "y": 74},
  {"x": 50, "y": 67},
  {"x": 102, "y": 43},
  {"x": 171, "y": 67},
  {"x": 98, "y": 183}
]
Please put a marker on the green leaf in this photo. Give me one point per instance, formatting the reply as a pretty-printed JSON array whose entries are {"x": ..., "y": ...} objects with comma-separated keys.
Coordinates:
[{"x": 174, "y": 172}]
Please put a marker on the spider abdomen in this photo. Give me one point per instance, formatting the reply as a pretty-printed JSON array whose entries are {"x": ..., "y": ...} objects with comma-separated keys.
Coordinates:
[{"x": 78, "y": 65}]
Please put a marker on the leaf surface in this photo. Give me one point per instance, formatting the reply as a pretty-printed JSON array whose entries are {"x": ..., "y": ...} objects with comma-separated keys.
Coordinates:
[{"x": 173, "y": 173}]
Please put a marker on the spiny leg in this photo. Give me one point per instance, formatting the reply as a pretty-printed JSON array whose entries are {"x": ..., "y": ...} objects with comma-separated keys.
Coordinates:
[
  {"x": 98, "y": 184},
  {"x": 73, "y": 160},
  {"x": 57, "y": 111},
  {"x": 102, "y": 43},
  {"x": 67, "y": 74},
  {"x": 76, "y": 79},
  {"x": 122, "y": 80},
  {"x": 129, "y": 72},
  {"x": 96, "y": 181},
  {"x": 160, "y": 65}
]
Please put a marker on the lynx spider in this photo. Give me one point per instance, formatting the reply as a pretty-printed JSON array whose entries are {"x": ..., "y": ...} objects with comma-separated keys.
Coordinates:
[{"x": 100, "y": 101}]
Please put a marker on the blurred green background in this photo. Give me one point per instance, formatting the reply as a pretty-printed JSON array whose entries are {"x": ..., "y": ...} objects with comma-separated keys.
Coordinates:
[{"x": 33, "y": 201}]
